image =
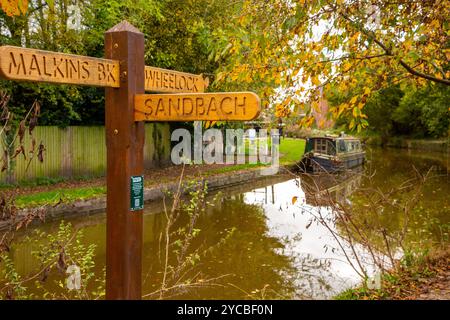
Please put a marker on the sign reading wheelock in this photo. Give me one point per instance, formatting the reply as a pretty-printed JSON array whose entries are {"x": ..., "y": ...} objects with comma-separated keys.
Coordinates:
[
  {"x": 200, "y": 106},
  {"x": 162, "y": 80}
]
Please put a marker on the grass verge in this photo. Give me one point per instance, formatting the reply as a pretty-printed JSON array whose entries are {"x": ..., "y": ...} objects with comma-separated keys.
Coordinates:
[{"x": 55, "y": 196}]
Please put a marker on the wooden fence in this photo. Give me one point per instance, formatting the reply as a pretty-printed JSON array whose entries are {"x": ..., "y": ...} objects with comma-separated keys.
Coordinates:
[{"x": 81, "y": 151}]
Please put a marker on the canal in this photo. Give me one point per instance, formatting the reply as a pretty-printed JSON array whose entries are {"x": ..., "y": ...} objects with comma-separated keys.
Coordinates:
[{"x": 258, "y": 240}]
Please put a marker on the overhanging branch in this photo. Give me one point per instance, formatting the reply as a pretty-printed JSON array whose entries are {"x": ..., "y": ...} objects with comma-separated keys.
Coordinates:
[{"x": 371, "y": 35}]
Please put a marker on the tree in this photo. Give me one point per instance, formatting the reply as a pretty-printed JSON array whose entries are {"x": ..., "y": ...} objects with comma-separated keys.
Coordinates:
[
  {"x": 409, "y": 111},
  {"x": 176, "y": 37},
  {"x": 358, "y": 46},
  {"x": 380, "y": 109},
  {"x": 424, "y": 112},
  {"x": 14, "y": 7}
]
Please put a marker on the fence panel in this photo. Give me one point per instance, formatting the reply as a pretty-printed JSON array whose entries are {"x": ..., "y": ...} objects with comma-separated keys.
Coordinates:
[{"x": 81, "y": 151}]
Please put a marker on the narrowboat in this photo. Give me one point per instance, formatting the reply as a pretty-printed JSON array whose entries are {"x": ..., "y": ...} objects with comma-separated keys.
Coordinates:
[{"x": 332, "y": 154}]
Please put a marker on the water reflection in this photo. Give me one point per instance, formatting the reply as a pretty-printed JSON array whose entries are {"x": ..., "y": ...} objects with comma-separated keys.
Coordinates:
[
  {"x": 327, "y": 189},
  {"x": 276, "y": 249},
  {"x": 319, "y": 272}
]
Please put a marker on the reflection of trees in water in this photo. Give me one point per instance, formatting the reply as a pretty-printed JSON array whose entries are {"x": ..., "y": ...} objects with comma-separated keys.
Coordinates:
[
  {"x": 405, "y": 202},
  {"x": 255, "y": 259},
  {"x": 328, "y": 195},
  {"x": 389, "y": 211},
  {"x": 310, "y": 276},
  {"x": 260, "y": 259}
]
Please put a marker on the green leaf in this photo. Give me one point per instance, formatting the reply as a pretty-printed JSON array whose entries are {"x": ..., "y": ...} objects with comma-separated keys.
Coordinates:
[{"x": 51, "y": 4}]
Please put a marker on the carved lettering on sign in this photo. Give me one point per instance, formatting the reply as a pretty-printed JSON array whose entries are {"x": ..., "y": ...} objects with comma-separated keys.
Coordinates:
[
  {"x": 44, "y": 66},
  {"x": 25, "y": 64},
  {"x": 162, "y": 80},
  {"x": 201, "y": 106}
]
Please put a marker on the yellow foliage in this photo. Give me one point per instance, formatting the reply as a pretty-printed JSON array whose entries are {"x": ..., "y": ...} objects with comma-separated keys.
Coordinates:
[
  {"x": 354, "y": 37},
  {"x": 14, "y": 7},
  {"x": 282, "y": 111},
  {"x": 347, "y": 66},
  {"x": 342, "y": 108},
  {"x": 315, "y": 81},
  {"x": 354, "y": 58},
  {"x": 209, "y": 124}
]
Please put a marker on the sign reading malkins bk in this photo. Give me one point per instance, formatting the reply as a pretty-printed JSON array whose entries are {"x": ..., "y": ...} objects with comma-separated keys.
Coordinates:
[
  {"x": 200, "y": 106},
  {"x": 44, "y": 66}
]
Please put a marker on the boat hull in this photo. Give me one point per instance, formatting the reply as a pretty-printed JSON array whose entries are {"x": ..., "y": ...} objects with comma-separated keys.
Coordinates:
[{"x": 332, "y": 164}]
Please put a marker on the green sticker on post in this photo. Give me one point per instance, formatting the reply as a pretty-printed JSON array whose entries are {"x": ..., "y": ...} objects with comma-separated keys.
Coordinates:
[{"x": 137, "y": 193}]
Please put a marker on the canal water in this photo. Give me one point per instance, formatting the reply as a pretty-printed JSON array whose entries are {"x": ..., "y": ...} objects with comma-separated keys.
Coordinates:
[{"x": 259, "y": 239}]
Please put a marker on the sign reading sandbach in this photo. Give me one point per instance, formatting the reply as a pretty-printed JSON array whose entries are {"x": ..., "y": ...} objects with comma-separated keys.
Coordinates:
[{"x": 201, "y": 106}]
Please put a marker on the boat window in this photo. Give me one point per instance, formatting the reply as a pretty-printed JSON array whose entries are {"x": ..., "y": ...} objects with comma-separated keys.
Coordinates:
[
  {"x": 341, "y": 146},
  {"x": 350, "y": 146},
  {"x": 324, "y": 146},
  {"x": 331, "y": 148},
  {"x": 321, "y": 145}
]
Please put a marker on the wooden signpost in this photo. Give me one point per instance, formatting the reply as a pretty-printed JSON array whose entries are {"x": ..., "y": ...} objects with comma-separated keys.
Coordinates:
[{"x": 126, "y": 78}]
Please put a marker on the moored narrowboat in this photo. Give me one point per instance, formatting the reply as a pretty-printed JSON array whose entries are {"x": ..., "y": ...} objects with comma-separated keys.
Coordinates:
[{"x": 333, "y": 154}]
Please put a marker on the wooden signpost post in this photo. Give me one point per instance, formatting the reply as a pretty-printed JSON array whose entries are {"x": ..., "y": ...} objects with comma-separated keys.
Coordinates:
[
  {"x": 126, "y": 78},
  {"x": 125, "y": 159}
]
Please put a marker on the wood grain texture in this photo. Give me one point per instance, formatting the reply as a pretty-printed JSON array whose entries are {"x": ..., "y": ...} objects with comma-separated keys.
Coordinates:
[
  {"x": 201, "y": 106},
  {"x": 44, "y": 66},
  {"x": 125, "y": 147}
]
